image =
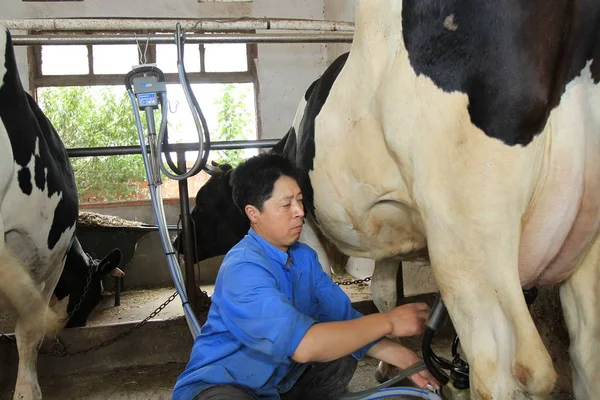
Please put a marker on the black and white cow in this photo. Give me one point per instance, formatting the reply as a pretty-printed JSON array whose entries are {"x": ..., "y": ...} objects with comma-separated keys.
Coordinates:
[
  {"x": 471, "y": 129},
  {"x": 38, "y": 213}
]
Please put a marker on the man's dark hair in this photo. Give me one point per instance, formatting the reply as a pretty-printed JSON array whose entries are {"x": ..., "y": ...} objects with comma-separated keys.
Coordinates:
[{"x": 253, "y": 180}]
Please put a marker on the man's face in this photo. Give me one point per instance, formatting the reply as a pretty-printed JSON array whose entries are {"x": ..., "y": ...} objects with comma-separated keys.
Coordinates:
[{"x": 282, "y": 217}]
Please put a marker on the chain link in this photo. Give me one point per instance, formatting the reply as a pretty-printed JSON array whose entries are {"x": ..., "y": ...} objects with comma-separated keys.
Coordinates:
[
  {"x": 355, "y": 282},
  {"x": 82, "y": 298},
  {"x": 7, "y": 338},
  {"x": 60, "y": 350}
]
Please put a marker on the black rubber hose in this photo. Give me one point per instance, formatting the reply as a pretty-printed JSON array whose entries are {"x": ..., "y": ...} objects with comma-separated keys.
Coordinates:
[{"x": 428, "y": 355}]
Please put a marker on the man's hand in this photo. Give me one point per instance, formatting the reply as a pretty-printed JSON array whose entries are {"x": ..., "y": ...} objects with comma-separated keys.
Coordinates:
[
  {"x": 401, "y": 357},
  {"x": 408, "y": 319}
]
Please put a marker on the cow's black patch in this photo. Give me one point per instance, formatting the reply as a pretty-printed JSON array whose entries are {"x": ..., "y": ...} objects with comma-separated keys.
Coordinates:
[
  {"x": 24, "y": 178},
  {"x": 40, "y": 176},
  {"x": 26, "y": 124},
  {"x": 596, "y": 57},
  {"x": 304, "y": 152},
  {"x": 513, "y": 59}
]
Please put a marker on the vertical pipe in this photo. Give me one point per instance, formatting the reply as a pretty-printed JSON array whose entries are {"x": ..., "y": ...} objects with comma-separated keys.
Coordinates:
[
  {"x": 400, "y": 285},
  {"x": 188, "y": 242},
  {"x": 118, "y": 286}
]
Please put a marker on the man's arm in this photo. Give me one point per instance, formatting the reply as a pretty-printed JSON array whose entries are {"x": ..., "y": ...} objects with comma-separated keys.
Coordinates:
[
  {"x": 328, "y": 341},
  {"x": 345, "y": 330}
]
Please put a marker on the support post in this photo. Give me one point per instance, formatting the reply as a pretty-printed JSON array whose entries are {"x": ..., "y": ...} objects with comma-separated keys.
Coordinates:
[
  {"x": 400, "y": 298},
  {"x": 188, "y": 242}
]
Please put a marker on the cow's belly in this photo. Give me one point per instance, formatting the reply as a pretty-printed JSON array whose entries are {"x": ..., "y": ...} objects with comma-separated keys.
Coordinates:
[
  {"x": 565, "y": 214},
  {"x": 27, "y": 220},
  {"x": 364, "y": 208}
]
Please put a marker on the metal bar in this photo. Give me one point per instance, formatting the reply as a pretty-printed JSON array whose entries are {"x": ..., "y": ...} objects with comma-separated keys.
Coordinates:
[
  {"x": 400, "y": 296},
  {"x": 64, "y": 39},
  {"x": 188, "y": 25},
  {"x": 124, "y": 150},
  {"x": 188, "y": 242},
  {"x": 118, "y": 288},
  {"x": 117, "y": 79}
]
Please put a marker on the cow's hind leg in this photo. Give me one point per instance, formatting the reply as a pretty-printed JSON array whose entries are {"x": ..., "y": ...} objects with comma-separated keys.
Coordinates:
[
  {"x": 580, "y": 297},
  {"x": 35, "y": 319},
  {"x": 480, "y": 286}
]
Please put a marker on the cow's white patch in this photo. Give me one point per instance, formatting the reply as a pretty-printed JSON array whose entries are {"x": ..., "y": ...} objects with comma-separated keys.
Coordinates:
[
  {"x": 32, "y": 223},
  {"x": 565, "y": 212},
  {"x": 3, "y": 38},
  {"x": 449, "y": 23}
]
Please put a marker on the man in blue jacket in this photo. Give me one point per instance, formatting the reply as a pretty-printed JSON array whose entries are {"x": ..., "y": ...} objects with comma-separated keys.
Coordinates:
[{"x": 278, "y": 326}]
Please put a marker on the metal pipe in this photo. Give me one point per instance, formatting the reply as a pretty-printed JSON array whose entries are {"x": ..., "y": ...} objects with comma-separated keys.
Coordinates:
[
  {"x": 118, "y": 286},
  {"x": 326, "y": 37},
  {"x": 124, "y": 150},
  {"x": 189, "y": 25},
  {"x": 161, "y": 222},
  {"x": 188, "y": 242}
]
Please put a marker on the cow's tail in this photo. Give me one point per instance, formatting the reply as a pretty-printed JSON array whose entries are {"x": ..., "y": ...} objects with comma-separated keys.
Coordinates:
[{"x": 22, "y": 293}]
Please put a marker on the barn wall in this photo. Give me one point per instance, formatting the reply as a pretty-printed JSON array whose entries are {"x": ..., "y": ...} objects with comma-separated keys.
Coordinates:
[
  {"x": 339, "y": 10},
  {"x": 284, "y": 71}
]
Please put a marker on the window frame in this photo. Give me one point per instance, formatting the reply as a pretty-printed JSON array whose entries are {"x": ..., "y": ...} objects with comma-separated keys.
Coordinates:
[{"x": 38, "y": 80}]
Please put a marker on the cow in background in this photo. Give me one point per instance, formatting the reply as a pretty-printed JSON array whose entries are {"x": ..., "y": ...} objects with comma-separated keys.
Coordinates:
[
  {"x": 81, "y": 282},
  {"x": 38, "y": 215}
]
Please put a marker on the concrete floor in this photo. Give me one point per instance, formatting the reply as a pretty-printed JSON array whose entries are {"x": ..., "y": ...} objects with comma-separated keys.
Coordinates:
[
  {"x": 111, "y": 381},
  {"x": 148, "y": 382}
]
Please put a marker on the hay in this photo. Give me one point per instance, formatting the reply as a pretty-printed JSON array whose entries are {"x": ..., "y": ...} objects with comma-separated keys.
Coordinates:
[{"x": 94, "y": 219}]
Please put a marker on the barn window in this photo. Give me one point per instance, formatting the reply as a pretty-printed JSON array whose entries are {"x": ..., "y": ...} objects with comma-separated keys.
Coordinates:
[{"x": 86, "y": 99}]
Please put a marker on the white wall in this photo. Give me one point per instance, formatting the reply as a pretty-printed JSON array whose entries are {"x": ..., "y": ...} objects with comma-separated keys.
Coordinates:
[
  {"x": 284, "y": 71},
  {"x": 338, "y": 10}
]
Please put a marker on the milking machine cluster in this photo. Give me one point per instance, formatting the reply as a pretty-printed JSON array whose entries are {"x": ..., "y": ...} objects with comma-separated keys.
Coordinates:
[{"x": 455, "y": 383}]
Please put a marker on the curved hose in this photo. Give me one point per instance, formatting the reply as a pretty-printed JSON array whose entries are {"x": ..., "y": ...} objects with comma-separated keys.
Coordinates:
[
  {"x": 428, "y": 358},
  {"x": 404, "y": 392},
  {"x": 368, "y": 394},
  {"x": 197, "y": 114}
]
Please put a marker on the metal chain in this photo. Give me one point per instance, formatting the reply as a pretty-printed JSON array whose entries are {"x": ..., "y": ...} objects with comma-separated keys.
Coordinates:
[
  {"x": 355, "y": 282},
  {"x": 5, "y": 337},
  {"x": 82, "y": 298},
  {"x": 60, "y": 350}
]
